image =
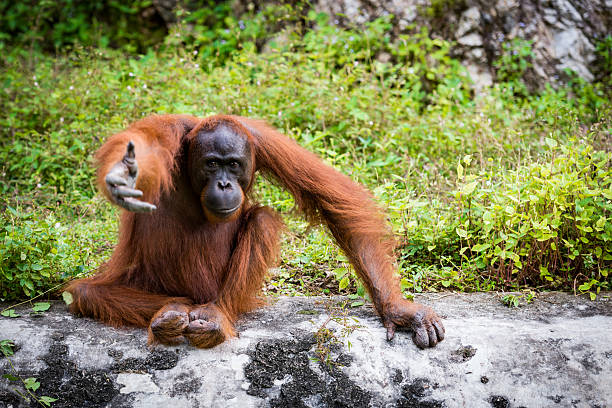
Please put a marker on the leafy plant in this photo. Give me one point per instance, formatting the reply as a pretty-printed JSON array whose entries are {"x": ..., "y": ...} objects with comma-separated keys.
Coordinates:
[
  {"x": 329, "y": 340},
  {"x": 515, "y": 60},
  {"x": 604, "y": 53},
  {"x": 10, "y": 313},
  {"x": 6, "y": 347},
  {"x": 454, "y": 171},
  {"x": 514, "y": 300},
  {"x": 51, "y": 25},
  {"x": 38, "y": 253},
  {"x": 30, "y": 384},
  {"x": 541, "y": 224}
]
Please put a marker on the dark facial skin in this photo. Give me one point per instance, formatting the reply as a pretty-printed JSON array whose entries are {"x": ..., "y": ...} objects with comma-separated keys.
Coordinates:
[{"x": 220, "y": 169}]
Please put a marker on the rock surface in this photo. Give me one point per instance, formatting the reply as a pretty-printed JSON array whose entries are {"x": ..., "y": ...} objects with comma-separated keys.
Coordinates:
[
  {"x": 563, "y": 32},
  {"x": 555, "y": 352}
]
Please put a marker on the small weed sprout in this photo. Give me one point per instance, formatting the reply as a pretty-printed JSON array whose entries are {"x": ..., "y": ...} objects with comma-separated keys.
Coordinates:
[
  {"x": 327, "y": 340},
  {"x": 30, "y": 384}
]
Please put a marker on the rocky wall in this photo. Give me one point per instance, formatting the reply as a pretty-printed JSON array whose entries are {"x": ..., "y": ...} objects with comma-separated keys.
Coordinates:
[{"x": 564, "y": 33}]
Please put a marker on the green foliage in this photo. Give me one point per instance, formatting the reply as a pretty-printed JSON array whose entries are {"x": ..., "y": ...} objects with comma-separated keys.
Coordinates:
[
  {"x": 214, "y": 33},
  {"x": 6, "y": 347},
  {"x": 330, "y": 340},
  {"x": 10, "y": 313},
  {"x": 515, "y": 60},
  {"x": 51, "y": 25},
  {"x": 40, "y": 307},
  {"x": 31, "y": 254},
  {"x": 67, "y": 297},
  {"x": 459, "y": 174},
  {"x": 514, "y": 300},
  {"x": 603, "y": 50},
  {"x": 542, "y": 224},
  {"x": 437, "y": 9},
  {"x": 38, "y": 252}
]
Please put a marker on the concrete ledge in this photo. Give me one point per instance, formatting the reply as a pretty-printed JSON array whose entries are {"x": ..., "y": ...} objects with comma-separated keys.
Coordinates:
[{"x": 556, "y": 351}]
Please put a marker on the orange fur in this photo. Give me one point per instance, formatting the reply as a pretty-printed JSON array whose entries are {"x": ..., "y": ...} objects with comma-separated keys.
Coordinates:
[{"x": 176, "y": 258}]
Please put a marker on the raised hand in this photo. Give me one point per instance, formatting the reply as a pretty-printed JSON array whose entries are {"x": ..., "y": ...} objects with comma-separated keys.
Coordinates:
[{"x": 121, "y": 183}]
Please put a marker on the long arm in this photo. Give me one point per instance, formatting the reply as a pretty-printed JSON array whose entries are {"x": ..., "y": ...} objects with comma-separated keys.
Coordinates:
[
  {"x": 354, "y": 220},
  {"x": 156, "y": 140},
  {"x": 328, "y": 196}
]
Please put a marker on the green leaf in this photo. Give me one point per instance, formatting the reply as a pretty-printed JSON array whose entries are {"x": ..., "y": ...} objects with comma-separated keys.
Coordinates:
[
  {"x": 6, "y": 347},
  {"x": 10, "y": 313},
  {"x": 459, "y": 170},
  {"x": 47, "y": 400},
  {"x": 344, "y": 283},
  {"x": 340, "y": 272},
  {"x": 36, "y": 267},
  {"x": 10, "y": 377},
  {"x": 598, "y": 252},
  {"x": 469, "y": 188},
  {"x": 357, "y": 303},
  {"x": 480, "y": 247},
  {"x": 67, "y": 296},
  {"x": 461, "y": 232},
  {"x": 552, "y": 143},
  {"x": 593, "y": 295},
  {"x": 41, "y": 306},
  {"x": 31, "y": 383}
]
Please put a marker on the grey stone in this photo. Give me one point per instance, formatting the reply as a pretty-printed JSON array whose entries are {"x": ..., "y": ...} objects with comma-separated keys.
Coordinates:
[
  {"x": 504, "y": 6},
  {"x": 471, "y": 40},
  {"x": 360, "y": 11},
  {"x": 574, "y": 51},
  {"x": 555, "y": 350},
  {"x": 133, "y": 382},
  {"x": 480, "y": 75},
  {"x": 550, "y": 16},
  {"x": 383, "y": 57},
  {"x": 477, "y": 54},
  {"x": 469, "y": 21}
]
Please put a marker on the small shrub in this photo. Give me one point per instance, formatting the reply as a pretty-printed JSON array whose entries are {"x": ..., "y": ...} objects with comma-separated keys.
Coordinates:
[
  {"x": 394, "y": 113},
  {"x": 39, "y": 250},
  {"x": 543, "y": 223},
  {"x": 32, "y": 254}
]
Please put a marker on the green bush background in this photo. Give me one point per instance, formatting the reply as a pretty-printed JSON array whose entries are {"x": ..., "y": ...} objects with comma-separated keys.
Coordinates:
[{"x": 509, "y": 189}]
